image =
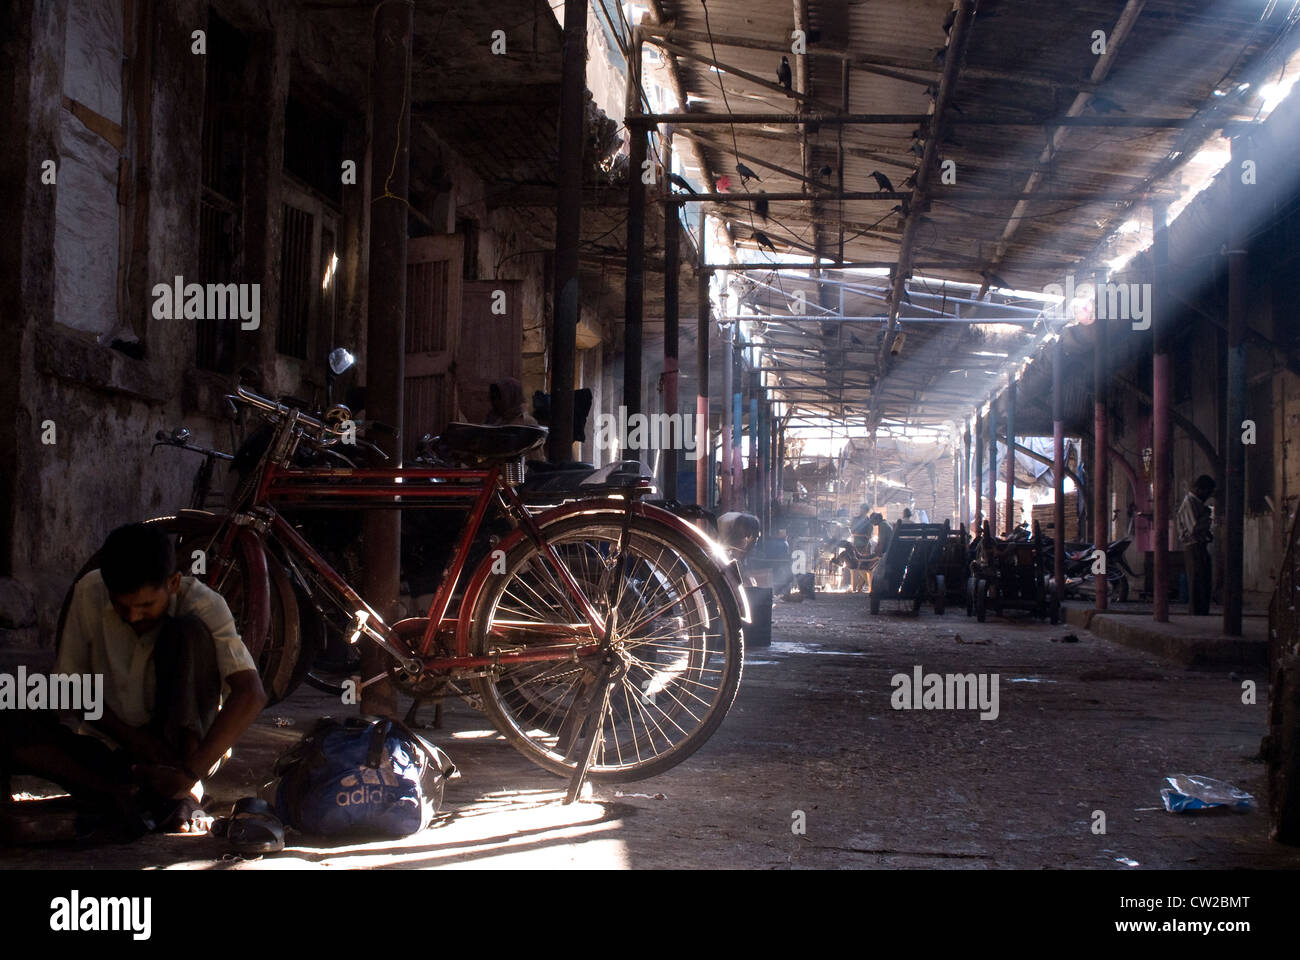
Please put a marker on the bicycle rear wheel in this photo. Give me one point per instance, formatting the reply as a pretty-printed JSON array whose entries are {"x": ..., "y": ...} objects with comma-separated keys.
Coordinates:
[{"x": 677, "y": 643}]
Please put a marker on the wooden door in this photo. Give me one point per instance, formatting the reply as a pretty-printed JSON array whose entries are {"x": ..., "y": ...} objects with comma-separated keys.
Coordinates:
[
  {"x": 433, "y": 310},
  {"x": 491, "y": 343}
]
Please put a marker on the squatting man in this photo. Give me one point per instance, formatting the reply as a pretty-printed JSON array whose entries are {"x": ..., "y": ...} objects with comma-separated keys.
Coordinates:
[{"x": 180, "y": 689}]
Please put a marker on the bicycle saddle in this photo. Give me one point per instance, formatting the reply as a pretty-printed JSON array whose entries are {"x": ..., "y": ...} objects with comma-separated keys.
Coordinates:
[{"x": 483, "y": 442}]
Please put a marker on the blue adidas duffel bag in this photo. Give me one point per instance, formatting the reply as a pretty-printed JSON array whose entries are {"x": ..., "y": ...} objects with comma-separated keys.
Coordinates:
[{"x": 361, "y": 777}]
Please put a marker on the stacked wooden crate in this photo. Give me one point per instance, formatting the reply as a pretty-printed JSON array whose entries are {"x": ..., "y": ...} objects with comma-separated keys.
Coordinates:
[{"x": 1045, "y": 515}]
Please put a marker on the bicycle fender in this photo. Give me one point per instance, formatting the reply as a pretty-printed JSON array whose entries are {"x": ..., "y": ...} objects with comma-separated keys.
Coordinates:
[
  {"x": 728, "y": 567},
  {"x": 258, "y": 624}
]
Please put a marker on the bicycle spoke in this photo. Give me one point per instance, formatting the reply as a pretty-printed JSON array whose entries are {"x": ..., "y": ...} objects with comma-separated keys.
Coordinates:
[{"x": 679, "y": 671}]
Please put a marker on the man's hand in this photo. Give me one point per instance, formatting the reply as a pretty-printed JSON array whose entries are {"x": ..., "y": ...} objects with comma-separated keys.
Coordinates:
[
  {"x": 171, "y": 782},
  {"x": 247, "y": 698}
]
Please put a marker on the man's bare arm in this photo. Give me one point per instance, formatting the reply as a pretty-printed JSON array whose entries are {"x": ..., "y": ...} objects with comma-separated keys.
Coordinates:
[{"x": 247, "y": 698}]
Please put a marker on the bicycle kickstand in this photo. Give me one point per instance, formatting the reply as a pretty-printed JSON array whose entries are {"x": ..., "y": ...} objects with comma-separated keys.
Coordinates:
[
  {"x": 603, "y": 686},
  {"x": 611, "y": 669}
]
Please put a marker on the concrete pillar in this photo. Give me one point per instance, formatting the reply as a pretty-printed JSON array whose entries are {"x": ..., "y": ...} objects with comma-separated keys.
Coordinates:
[{"x": 31, "y": 85}]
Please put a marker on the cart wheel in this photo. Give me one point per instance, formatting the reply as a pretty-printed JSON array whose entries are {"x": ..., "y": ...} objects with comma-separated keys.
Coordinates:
[
  {"x": 981, "y": 600},
  {"x": 875, "y": 604},
  {"x": 940, "y": 587}
]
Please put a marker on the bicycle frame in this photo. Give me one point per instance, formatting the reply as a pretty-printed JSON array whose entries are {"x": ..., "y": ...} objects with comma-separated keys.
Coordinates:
[
  {"x": 404, "y": 488},
  {"x": 255, "y": 516}
]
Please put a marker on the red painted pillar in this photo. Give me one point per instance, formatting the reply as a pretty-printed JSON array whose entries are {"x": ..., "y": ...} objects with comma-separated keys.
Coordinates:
[
  {"x": 1162, "y": 438},
  {"x": 1010, "y": 404},
  {"x": 1101, "y": 442},
  {"x": 1058, "y": 467},
  {"x": 993, "y": 467}
]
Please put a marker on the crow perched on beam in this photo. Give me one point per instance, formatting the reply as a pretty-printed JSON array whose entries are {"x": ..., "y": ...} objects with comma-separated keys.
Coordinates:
[
  {"x": 882, "y": 181},
  {"x": 678, "y": 180},
  {"x": 746, "y": 173},
  {"x": 783, "y": 75}
]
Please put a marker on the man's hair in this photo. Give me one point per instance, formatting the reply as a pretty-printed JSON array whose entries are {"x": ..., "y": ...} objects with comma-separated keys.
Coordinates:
[
  {"x": 906, "y": 512},
  {"x": 134, "y": 556},
  {"x": 1203, "y": 482},
  {"x": 877, "y": 518}
]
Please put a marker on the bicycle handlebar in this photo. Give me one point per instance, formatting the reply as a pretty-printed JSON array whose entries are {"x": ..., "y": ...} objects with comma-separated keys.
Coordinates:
[{"x": 281, "y": 410}]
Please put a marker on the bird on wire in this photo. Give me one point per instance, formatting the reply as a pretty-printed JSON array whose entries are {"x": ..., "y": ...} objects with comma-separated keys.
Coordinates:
[
  {"x": 763, "y": 240},
  {"x": 760, "y": 206},
  {"x": 826, "y": 170},
  {"x": 882, "y": 181},
  {"x": 783, "y": 75},
  {"x": 678, "y": 180},
  {"x": 916, "y": 148},
  {"x": 746, "y": 173},
  {"x": 911, "y": 180}
]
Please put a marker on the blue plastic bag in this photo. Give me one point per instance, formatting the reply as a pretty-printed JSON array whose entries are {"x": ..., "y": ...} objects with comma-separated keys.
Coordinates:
[
  {"x": 1189, "y": 792},
  {"x": 361, "y": 778}
]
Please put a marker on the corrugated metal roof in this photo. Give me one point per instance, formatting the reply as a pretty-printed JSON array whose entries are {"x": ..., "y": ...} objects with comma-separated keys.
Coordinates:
[{"x": 1025, "y": 64}]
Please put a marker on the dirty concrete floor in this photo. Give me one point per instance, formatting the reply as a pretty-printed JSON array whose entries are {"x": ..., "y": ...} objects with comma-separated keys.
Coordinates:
[{"x": 1082, "y": 727}]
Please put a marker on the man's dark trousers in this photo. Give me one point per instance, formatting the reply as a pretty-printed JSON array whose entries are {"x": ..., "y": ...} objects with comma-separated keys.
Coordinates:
[{"x": 1197, "y": 558}]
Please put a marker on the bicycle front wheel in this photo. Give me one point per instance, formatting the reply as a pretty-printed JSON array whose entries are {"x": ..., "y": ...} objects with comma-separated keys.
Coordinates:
[{"x": 676, "y": 642}]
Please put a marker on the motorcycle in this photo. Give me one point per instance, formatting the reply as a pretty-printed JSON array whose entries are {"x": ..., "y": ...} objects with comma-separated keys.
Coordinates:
[{"x": 1081, "y": 581}]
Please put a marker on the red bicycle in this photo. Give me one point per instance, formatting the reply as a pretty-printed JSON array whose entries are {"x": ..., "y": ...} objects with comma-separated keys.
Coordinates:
[{"x": 602, "y": 637}]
